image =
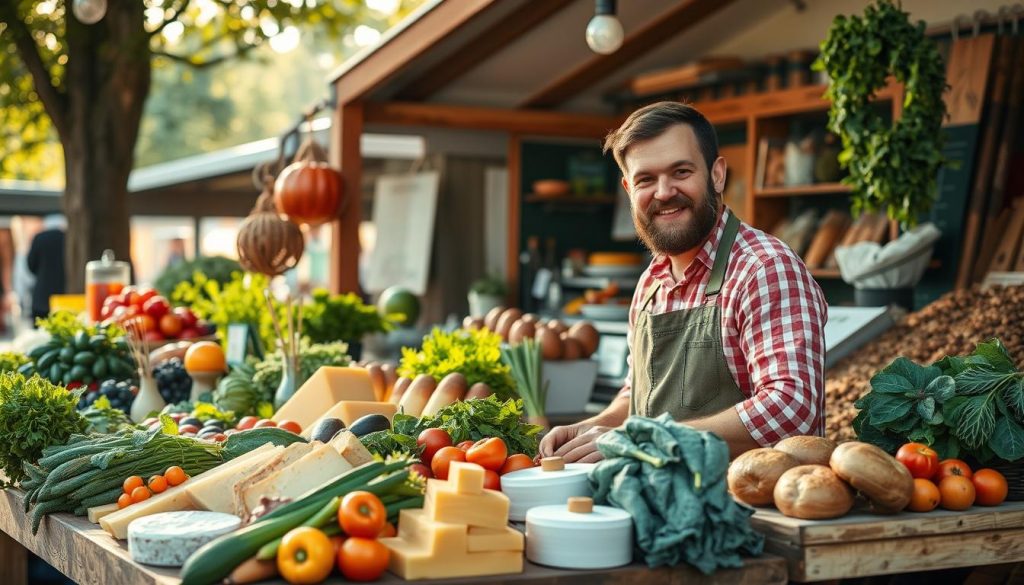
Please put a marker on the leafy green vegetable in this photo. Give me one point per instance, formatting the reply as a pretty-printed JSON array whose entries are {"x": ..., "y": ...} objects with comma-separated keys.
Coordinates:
[
  {"x": 387, "y": 443},
  {"x": 476, "y": 354},
  {"x": 10, "y": 361},
  {"x": 64, "y": 325},
  {"x": 34, "y": 414},
  {"x": 340, "y": 318},
  {"x": 477, "y": 419},
  {"x": 236, "y": 391},
  {"x": 216, "y": 268},
  {"x": 525, "y": 361},
  {"x": 241, "y": 300},
  {"x": 105, "y": 419},
  {"x": 267, "y": 376}
]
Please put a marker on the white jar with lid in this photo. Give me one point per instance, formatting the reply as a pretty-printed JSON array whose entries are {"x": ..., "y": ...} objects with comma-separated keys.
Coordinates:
[
  {"x": 579, "y": 535},
  {"x": 554, "y": 482}
]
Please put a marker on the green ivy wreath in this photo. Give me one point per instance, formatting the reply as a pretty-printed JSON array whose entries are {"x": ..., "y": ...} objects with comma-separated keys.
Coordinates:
[{"x": 891, "y": 166}]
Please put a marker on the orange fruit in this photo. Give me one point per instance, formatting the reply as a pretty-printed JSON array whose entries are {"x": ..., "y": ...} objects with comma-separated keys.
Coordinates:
[
  {"x": 926, "y": 496},
  {"x": 205, "y": 356}
]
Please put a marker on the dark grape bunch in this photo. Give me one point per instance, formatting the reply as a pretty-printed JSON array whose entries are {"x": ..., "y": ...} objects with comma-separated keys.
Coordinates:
[
  {"x": 173, "y": 381},
  {"x": 119, "y": 394}
]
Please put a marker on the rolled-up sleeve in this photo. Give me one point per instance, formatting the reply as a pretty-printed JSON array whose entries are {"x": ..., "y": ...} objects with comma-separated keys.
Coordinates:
[{"x": 781, "y": 327}]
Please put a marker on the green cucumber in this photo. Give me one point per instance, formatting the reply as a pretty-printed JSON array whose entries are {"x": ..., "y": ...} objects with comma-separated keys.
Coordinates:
[
  {"x": 27, "y": 369},
  {"x": 241, "y": 443},
  {"x": 82, "y": 340},
  {"x": 84, "y": 358},
  {"x": 98, "y": 342},
  {"x": 56, "y": 373},
  {"x": 99, "y": 368},
  {"x": 48, "y": 359},
  {"x": 67, "y": 355},
  {"x": 77, "y": 374},
  {"x": 41, "y": 350}
]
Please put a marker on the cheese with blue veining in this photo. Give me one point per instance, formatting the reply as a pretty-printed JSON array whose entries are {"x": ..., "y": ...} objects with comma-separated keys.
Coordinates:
[{"x": 169, "y": 538}]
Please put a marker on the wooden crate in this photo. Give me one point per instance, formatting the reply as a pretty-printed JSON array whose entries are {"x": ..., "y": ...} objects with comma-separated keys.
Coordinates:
[{"x": 862, "y": 544}]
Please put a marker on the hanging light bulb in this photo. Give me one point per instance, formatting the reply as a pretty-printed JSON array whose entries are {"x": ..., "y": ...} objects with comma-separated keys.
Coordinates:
[
  {"x": 89, "y": 11},
  {"x": 604, "y": 32}
]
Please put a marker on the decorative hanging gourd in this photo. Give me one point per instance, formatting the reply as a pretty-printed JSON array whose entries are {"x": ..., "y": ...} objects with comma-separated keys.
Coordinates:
[
  {"x": 309, "y": 191},
  {"x": 266, "y": 243}
]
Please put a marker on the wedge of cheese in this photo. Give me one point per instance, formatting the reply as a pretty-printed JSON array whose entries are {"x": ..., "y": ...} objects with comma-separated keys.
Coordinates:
[
  {"x": 175, "y": 499},
  {"x": 214, "y": 490},
  {"x": 494, "y": 539},
  {"x": 349, "y": 411},
  {"x": 349, "y": 447},
  {"x": 289, "y": 455},
  {"x": 411, "y": 561},
  {"x": 320, "y": 465},
  {"x": 325, "y": 388},
  {"x": 444, "y": 503},
  {"x": 97, "y": 512}
]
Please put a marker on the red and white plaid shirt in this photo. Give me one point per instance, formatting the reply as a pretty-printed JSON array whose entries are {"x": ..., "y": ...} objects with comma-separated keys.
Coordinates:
[{"x": 773, "y": 320}]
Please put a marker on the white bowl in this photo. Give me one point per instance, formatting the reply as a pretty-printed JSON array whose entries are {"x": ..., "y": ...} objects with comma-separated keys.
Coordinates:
[{"x": 529, "y": 488}]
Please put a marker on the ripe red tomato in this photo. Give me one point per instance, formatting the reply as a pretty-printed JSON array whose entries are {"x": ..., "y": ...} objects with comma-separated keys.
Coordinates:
[
  {"x": 129, "y": 296},
  {"x": 156, "y": 307},
  {"x": 265, "y": 423},
  {"x": 290, "y": 425},
  {"x": 187, "y": 316},
  {"x": 363, "y": 559},
  {"x": 957, "y": 493},
  {"x": 443, "y": 459},
  {"x": 146, "y": 293},
  {"x": 171, "y": 325},
  {"x": 921, "y": 460},
  {"x": 515, "y": 463},
  {"x": 188, "y": 429},
  {"x": 926, "y": 496},
  {"x": 990, "y": 486},
  {"x": 491, "y": 480},
  {"x": 432, "y": 440},
  {"x": 422, "y": 470},
  {"x": 948, "y": 467},
  {"x": 488, "y": 453},
  {"x": 362, "y": 514},
  {"x": 247, "y": 422},
  {"x": 190, "y": 333},
  {"x": 153, "y": 336},
  {"x": 465, "y": 445}
]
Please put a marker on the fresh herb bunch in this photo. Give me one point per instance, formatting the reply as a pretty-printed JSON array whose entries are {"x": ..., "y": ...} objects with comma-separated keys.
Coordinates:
[
  {"x": 970, "y": 405},
  {"x": 476, "y": 354},
  {"x": 267, "y": 375},
  {"x": 492, "y": 285},
  {"x": 34, "y": 414},
  {"x": 241, "y": 300},
  {"x": 892, "y": 166},
  {"x": 341, "y": 318},
  {"x": 525, "y": 361},
  {"x": 477, "y": 419},
  {"x": 104, "y": 418},
  {"x": 65, "y": 325},
  {"x": 217, "y": 268},
  {"x": 389, "y": 443},
  {"x": 10, "y": 361}
]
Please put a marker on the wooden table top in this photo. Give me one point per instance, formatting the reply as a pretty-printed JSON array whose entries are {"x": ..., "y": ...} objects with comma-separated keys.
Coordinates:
[{"x": 88, "y": 555}]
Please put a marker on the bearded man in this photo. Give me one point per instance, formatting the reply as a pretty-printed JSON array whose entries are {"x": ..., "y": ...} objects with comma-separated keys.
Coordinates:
[{"x": 726, "y": 324}]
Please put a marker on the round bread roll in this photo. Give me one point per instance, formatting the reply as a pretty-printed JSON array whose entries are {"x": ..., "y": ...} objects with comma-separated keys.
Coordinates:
[
  {"x": 752, "y": 475},
  {"x": 874, "y": 473},
  {"x": 812, "y": 492},
  {"x": 808, "y": 449}
]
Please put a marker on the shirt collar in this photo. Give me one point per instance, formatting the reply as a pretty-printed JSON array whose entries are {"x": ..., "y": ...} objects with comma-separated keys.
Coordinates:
[{"x": 661, "y": 267}]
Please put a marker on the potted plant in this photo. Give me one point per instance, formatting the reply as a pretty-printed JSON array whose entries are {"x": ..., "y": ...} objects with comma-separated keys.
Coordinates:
[
  {"x": 485, "y": 294},
  {"x": 892, "y": 165}
]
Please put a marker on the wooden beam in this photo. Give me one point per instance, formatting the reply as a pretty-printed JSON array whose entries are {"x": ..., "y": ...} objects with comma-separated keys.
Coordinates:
[
  {"x": 348, "y": 129},
  {"x": 515, "y": 170},
  {"x": 478, "y": 50},
  {"x": 358, "y": 78},
  {"x": 493, "y": 119},
  {"x": 685, "y": 15}
]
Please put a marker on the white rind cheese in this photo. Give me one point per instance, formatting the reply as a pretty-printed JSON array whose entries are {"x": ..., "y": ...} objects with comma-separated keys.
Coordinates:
[{"x": 168, "y": 539}]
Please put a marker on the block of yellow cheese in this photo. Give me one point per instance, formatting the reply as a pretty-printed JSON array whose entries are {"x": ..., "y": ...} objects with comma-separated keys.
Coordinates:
[
  {"x": 320, "y": 465},
  {"x": 494, "y": 539},
  {"x": 349, "y": 411},
  {"x": 436, "y": 538},
  {"x": 173, "y": 500},
  {"x": 466, "y": 478},
  {"x": 326, "y": 387},
  {"x": 97, "y": 512},
  {"x": 214, "y": 490},
  {"x": 410, "y": 561},
  {"x": 443, "y": 503}
]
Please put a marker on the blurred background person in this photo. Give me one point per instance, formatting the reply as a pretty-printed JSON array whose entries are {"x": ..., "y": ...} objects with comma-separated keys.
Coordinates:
[{"x": 46, "y": 262}]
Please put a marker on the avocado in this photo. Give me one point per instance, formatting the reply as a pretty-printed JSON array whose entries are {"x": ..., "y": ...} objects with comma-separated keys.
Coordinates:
[
  {"x": 369, "y": 424},
  {"x": 325, "y": 430}
]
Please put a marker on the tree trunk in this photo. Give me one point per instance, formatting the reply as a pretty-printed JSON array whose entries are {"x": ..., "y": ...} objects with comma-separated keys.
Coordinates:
[{"x": 107, "y": 81}]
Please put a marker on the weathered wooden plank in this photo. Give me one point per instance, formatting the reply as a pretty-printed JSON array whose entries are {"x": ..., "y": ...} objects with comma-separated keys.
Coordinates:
[
  {"x": 13, "y": 561},
  {"x": 884, "y": 557},
  {"x": 859, "y": 527}
]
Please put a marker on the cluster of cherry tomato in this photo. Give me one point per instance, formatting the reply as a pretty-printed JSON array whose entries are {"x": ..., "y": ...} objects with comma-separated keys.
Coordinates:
[
  {"x": 308, "y": 555},
  {"x": 949, "y": 483},
  {"x": 149, "y": 313},
  {"x": 136, "y": 490},
  {"x": 491, "y": 454}
]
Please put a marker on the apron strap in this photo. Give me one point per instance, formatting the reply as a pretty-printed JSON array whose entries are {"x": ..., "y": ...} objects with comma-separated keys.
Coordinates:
[
  {"x": 732, "y": 226},
  {"x": 649, "y": 295}
]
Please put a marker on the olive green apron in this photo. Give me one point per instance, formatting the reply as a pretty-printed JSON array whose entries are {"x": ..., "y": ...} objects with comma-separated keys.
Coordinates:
[{"x": 679, "y": 365}]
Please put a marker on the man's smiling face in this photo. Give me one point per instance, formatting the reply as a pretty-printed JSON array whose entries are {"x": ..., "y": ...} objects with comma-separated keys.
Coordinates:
[{"x": 673, "y": 193}]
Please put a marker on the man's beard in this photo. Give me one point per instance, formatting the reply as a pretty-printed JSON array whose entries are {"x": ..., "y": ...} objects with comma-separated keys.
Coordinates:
[{"x": 679, "y": 237}]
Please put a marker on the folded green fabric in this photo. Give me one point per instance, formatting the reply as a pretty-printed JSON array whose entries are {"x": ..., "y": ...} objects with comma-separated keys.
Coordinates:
[{"x": 672, "y": 479}]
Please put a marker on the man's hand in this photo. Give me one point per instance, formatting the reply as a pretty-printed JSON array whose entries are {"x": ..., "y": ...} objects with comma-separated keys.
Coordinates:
[{"x": 574, "y": 443}]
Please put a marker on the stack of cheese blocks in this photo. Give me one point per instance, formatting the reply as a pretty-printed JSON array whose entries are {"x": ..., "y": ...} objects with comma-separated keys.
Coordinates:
[{"x": 461, "y": 531}]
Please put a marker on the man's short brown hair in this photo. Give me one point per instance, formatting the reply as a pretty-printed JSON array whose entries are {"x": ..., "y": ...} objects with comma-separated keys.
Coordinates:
[{"x": 653, "y": 120}]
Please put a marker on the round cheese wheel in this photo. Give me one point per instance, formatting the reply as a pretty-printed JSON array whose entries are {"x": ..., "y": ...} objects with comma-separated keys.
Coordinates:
[{"x": 169, "y": 538}]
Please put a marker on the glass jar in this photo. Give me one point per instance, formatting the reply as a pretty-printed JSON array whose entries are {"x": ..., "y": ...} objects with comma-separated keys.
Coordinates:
[{"x": 104, "y": 278}]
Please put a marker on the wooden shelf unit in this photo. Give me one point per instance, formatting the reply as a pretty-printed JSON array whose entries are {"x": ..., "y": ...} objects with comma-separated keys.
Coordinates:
[
  {"x": 797, "y": 190},
  {"x": 572, "y": 199}
]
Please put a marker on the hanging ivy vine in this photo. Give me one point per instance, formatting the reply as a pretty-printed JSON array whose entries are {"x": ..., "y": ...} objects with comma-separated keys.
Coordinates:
[{"x": 893, "y": 166}]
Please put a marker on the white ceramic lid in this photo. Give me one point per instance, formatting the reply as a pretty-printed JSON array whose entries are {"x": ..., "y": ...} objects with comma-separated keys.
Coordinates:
[
  {"x": 559, "y": 516},
  {"x": 535, "y": 477}
]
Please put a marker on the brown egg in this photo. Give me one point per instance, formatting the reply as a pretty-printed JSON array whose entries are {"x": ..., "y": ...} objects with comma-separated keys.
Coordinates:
[
  {"x": 530, "y": 318},
  {"x": 550, "y": 344},
  {"x": 572, "y": 349},
  {"x": 521, "y": 330},
  {"x": 491, "y": 319},
  {"x": 557, "y": 326},
  {"x": 506, "y": 320},
  {"x": 471, "y": 322},
  {"x": 587, "y": 335}
]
